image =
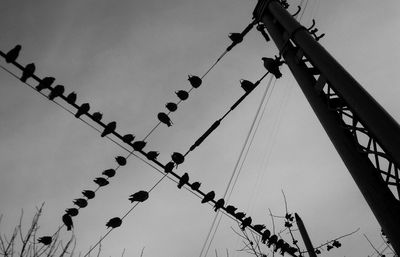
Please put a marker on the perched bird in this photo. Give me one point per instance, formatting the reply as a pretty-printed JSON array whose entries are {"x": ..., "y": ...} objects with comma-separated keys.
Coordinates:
[
  {"x": 89, "y": 194},
  {"x": 109, "y": 128},
  {"x": 45, "y": 83},
  {"x": 71, "y": 98},
  {"x": 272, "y": 240},
  {"x": 97, "y": 116},
  {"x": 72, "y": 212},
  {"x": 57, "y": 91},
  {"x": 109, "y": 173},
  {"x": 246, "y": 222},
  {"x": 194, "y": 81},
  {"x": 219, "y": 204},
  {"x": 163, "y": 117},
  {"x": 139, "y": 196},
  {"x": 138, "y": 145},
  {"x": 329, "y": 247},
  {"x": 128, "y": 138},
  {"x": 336, "y": 244},
  {"x": 265, "y": 235},
  {"x": 195, "y": 186},
  {"x": 46, "y": 240},
  {"x": 178, "y": 158},
  {"x": 84, "y": 108},
  {"x": 169, "y": 167},
  {"x": 67, "y": 220},
  {"x": 152, "y": 155},
  {"x": 208, "y": 197},
  {"x": 240, "y": 215},
  {"x": 259, "y": 227},
  {"x": 171, "y": 107},
  {"x": 272, "y": 66},
  {"x": 80, "y": 202},
  {"x": 286, "y": 248},
  {"x": 183, "y": 180},
  {"x": 236, "y": 37},
  {"x": 114, "y": 223},
  {"x": 279, "y": 245},
  {"x": 12, "y": 55},
  {"x": 120, "y": 160},
  {"x": 28, "y": 72},
  {"x": 230, "y": 209},
  {"x": 247, "y": 85},
  {"x": 101, "y": 181},
  {"x": 182, "y": 94}
]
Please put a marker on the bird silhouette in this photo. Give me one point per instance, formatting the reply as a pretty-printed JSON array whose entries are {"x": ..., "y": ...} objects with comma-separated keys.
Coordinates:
[
  {"x": 169, "y": 167},
  {"x": 265, "y": 235},
  {"x": 89, "y": 194},
  {"x": 329, "y": 247},
  {"x": 120, "y": 160},
  {"x": 139, "y": 196},
  {"x": 240, "y": 215},
  {"x": 97, "y": 116},
  {"x": 259, "y": 227},
  {"x": 336, "y": 244},
  {"x": 109, "y": 173},
  {"x": 138, "y": 145},
  {"x": 72, "y": 212},
  {"x": 80, "y": 202},
  {"x": 101, "y": 181},
  {"x": 247, "y": 85},
  {"x": 219, "y": 204},
  {"x": 12, "y": 55},
  {"x": 163, "y": 118},
  {"x": 57, "y": 91},
  {"x": 45, "y": 83},
  {"x": 246, "y": 222},
  {"x": 285, "y": 248},
  {"x": 236, "y": 37},
  {"x": 84, "y": 108},
  {"x": 182, "y": 94},
  {"x": 178, "y": 158},
  {"x": 208, "y": 197},
  {"x": 171, "y": 107},
  {"x": 272, "y": 66},
  {"x": 183, "y": 180},
  {"x": 28, "y": 72},
  {"x": 279, "y": 245},
  {"x": 152, "y": 155},
  {"x": 67, "y": 220},
  {"x": 195, "y": 186},
  {"x": 230, "y": 209},
  {"x": 128, "y": 138},
  {"x": 114, "y": 223},
  {"x": 71, "y": 98},
  {"x": 272, "y": 240},
  {"x": 109, "y": 128},
  {"x": 46, "y": 240},
  {"x": 194, "y": 81}
]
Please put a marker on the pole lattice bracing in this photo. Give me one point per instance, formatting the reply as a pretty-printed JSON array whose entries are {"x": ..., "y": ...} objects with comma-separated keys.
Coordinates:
[{"x": 366, "y": 137}]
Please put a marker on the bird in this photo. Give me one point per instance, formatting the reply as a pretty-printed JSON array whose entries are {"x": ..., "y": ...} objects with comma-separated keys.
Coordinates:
[
  {"x": 272, "y": 66},
  {"x": 45, "y": 83},
  {"x": 240, "y": 215},
  {"x": 272, "y": 240},
  {"x": 138, "y": 145},
  {"x": 101, "y": 181},
  {"x": 265, "y": 235},
  {"x": 178, "y": 158},
  {"x": 169, "y": 167},
  {"x": 67, "y": 220},
  {"x": 171, "y": 107},
  {"x": 97, "y": 116},
  {"x": 194, "y": 81},
  {"x": 114, "y": 223},
  {"x": 84, "y": 108},
  {"x": 236, "y": 37},
  {"x": 139, "y": 196},
  {"x": 259, "y": 227},
  {"x": 120, "y": 160},
  {"x": 72, "y": 212},
  {"x": 279, "y": 245},
  {"x": 336, "y": 244},
  {"x": 247, "y": 85},
  {"x": 46, "y": 240},
  {"x": 163, "y": 118},
  {"x": 12, "y": 55},
  {"x": 27, "y": 72},
  {"x": 109, "y": 173},
  {"x": 195, "y": 186},
  {"x": 182, "y": 94},
  {"x": 285, "y": 248},
  {"x": 152, "y": 155},
  {"x": 230, "y": 209},
  {"x": 208, "y": 197},
  {"x": 57, "y": 91},
  {"x": 183, "y": 180},
  {"x": 80, "y": 202},
  {"x": 128, "y": 138},
  {"x": 89, "y": 194},
  {"x": 329, "y": 247},
  {"x": 219, "y": 204},
  {"x": 109, "y": 128},
  {"x": 71, "y": 98},
  {"x": 246, "y": 222}
]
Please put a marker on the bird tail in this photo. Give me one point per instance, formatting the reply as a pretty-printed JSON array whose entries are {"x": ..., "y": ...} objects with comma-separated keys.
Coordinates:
[
  {"x": 24, "y": 78},
  {"x": 180, "y": 185}
]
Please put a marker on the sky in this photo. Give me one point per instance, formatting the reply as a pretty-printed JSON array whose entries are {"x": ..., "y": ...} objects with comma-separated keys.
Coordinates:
[{"x": 127, "y": 58}]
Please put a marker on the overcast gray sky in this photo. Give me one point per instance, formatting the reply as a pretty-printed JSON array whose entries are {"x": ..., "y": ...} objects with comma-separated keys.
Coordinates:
[{"x": 126, "y": 58}]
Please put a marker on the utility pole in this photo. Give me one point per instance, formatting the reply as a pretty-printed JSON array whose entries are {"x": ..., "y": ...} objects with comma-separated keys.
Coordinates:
[
  {"x": 304, "y": 235},
  {"x": 366, "y": 137}
]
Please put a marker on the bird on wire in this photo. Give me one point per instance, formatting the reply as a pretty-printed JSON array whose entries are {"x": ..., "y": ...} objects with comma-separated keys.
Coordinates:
[
  {"x": 208, "y": 197},
  {"x": 128, "y": 138},
  {"x": 219, "y": 204},
  {"x": 28, "y": 72},
  {"x": 109, "y": 173},
  {"x": 139, "y": 196},
  {"x": 138, "y": 145},
  {"x": 71, "y": 98},
  {"x": 114, "y": 223},
  {"x": 164, "y": 118},
  {"x": 45, "y": 83},
  {"x": 101, "y": 181},
  {"x": 246, "y": 222},
  {"x": 152, "y": 155},
  {"x": 171, "y": 107},
  {"x": 12, "y": 55},
  {"x": 240, "y": 215},
  {"x": 182, "y": 95},
  {"x": 194, "y": 81},
  {"x": 183, "y": 180},
  {"x": 109, "y": 128},
  {"x": 97, "y": 116},
  {"x": 120, "y": 160},
  {"x": 83, "y": 109},
  {"x": 80, "y": 202},
  {"x": 169, "y": 167},
  {"x": 247, "y": 86},
  {"x": 230, "y": 209},
  {"x": 67, "y": 220},
  {"x": 57, "y": 91},
  {"x": 89, "y": 194},
  {"x": 195, "y": 186},
  {"x": 72, "y": 212},
  {"x": 46, "y": 240},
  {"x": 272, "y": 240},
  {"x": 272, "y": 66},
  {"x": 265, "y": 236},
  {"x": 259, "y": 227},
  {"x": 178, "y": 158}
]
